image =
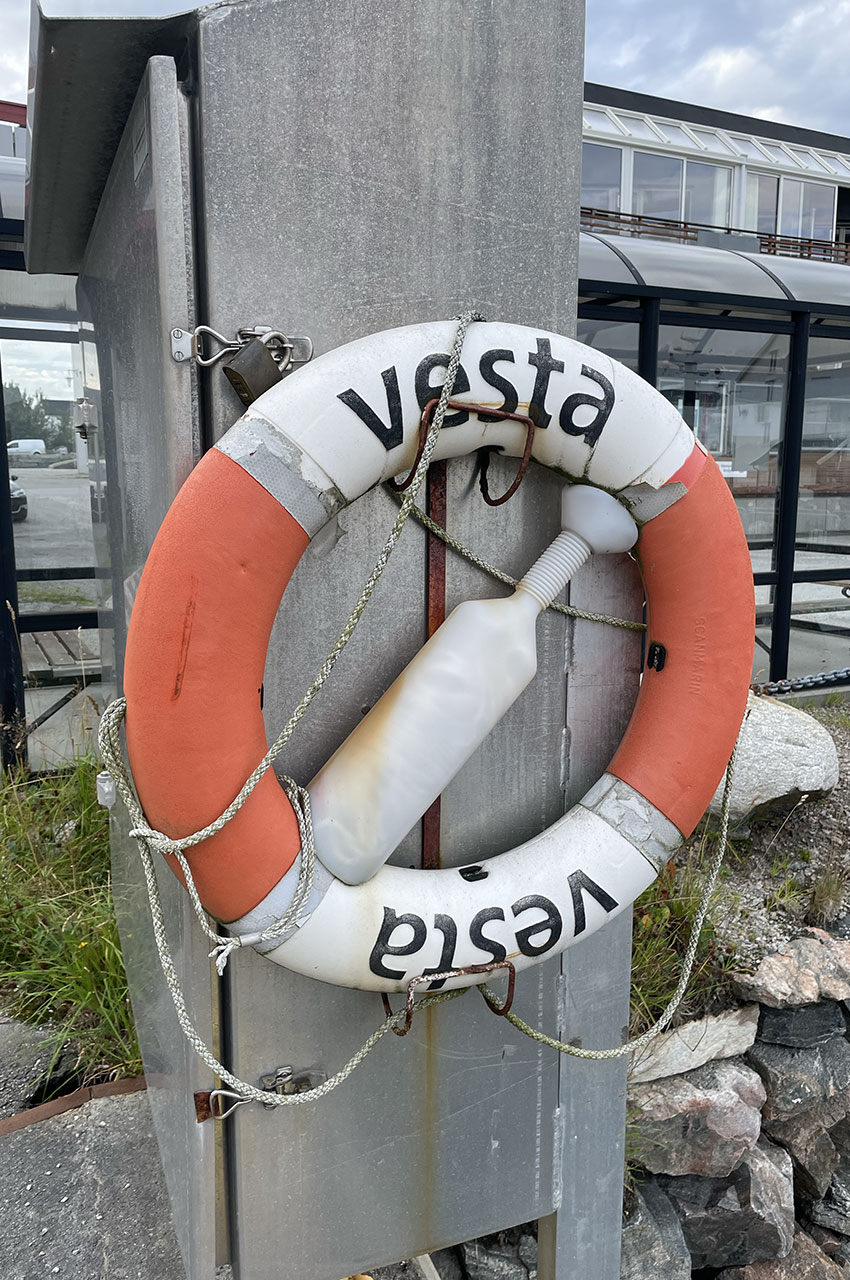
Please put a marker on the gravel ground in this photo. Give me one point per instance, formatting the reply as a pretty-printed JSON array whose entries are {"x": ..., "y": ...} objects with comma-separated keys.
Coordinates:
[{"x": 790, "y": 869}]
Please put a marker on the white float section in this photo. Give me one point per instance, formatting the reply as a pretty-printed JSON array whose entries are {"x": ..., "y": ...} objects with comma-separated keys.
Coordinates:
[
  {"x": 643, "y": 437},
  {"x": 527, "y": 903}
]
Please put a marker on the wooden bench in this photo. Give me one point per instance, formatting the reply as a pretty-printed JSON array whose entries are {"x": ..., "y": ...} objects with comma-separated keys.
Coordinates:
[{"x": 60, "y": 657}]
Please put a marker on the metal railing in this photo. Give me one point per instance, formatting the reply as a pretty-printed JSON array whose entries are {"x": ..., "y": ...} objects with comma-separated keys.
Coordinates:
[{"x": 770, "y": 242}]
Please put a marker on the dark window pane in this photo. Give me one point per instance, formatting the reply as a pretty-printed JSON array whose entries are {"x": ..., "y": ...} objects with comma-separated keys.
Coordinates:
[
  {"x": 707, "y": 188},
  {"x": 657, "y": 186},
  {"x": 600, "y": 176}
]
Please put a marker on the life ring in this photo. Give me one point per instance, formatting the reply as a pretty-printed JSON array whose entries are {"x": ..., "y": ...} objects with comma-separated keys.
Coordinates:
[{"x": 228, "y": 546}]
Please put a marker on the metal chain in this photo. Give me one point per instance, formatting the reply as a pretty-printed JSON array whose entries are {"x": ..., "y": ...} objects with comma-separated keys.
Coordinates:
[{"x": 798, "y": 683}]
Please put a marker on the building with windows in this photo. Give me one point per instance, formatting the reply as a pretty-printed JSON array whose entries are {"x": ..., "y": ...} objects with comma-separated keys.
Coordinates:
[
  {"x": 690, "y": 172},
  {"x": 715, "y": 261}
]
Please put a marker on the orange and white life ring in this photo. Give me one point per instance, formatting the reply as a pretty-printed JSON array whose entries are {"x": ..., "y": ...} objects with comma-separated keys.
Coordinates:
[{"x": 228, "y": 546}]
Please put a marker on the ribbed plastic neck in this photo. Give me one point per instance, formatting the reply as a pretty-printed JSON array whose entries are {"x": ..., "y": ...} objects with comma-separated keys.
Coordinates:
[{"x": 549, "y": 575}]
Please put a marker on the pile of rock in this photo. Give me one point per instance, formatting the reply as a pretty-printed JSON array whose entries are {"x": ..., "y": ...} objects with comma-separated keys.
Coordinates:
[{"x": 742, "y": 1124}]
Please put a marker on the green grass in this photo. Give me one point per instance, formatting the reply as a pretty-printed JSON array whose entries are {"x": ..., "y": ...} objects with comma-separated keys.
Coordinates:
[
  {"x": 60, "y": 959},
  {"x": 50, "y": 593},
  {"x": 663, "y": 920}
]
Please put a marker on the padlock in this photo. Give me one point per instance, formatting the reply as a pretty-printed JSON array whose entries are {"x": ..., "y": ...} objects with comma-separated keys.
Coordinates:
[{"x": 253, "y": 369}]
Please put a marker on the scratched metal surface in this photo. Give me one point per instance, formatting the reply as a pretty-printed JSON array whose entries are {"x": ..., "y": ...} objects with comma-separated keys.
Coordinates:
[
  {"x": 384, "y": 165},
  {"x": 134, "y": 285}
]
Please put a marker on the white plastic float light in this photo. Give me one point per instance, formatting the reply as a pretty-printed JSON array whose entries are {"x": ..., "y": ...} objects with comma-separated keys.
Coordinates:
[{"x": 347, "y": 422}]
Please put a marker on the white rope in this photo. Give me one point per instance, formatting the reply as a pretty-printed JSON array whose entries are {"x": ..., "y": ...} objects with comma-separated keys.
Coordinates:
[
  {"x": 149, "y": 840},
  {"x": 666, "y": 1017}
]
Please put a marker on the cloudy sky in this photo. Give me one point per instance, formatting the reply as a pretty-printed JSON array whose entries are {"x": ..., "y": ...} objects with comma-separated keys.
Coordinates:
[{"x": 782, "y": 59}]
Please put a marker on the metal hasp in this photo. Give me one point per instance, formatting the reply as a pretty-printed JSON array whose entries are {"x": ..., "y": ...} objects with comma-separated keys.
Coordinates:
[{"x": 379, "y": 210}]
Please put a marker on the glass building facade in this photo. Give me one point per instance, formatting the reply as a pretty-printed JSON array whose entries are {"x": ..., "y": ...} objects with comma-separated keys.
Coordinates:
[{"x": 755, "y": 355}]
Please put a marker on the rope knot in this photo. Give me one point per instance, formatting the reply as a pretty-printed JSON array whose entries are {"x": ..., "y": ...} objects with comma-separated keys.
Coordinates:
[{"x": 221, "y": 953}]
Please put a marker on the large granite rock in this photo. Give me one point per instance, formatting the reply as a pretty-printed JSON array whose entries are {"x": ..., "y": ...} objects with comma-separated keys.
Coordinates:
[
  {"x": 833, "y": 1209},
  {"x": 783, "y": 755},
  {"x": 804, "y": 1080},
  {"x": 811, "y": 968},
  {"x": 747, "y": 1217},
  {"x": 723, "y": 1035},
  {"x": 811, "y": 1148},
  {"x": 806, "y": 1261},
  {"x": 802, "y": 1028},
  {"x": 835, "y": 1246},
  {"x": 703, "y": 1122},
  {"x": 653, "y": 1243}
]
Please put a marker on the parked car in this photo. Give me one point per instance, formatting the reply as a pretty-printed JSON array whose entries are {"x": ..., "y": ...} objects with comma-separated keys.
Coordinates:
[
  {"x": 17, "y": 448},
  {"x": 19, "y": 500}
]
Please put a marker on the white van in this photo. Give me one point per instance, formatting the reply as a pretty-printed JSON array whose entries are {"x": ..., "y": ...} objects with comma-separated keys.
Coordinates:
[{"x": 18, "y": 447}]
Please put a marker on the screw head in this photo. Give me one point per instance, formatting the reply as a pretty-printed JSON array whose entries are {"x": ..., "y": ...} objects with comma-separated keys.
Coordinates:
[
  {"x": 179, "y": 355},
  {"x": 177, "y": 334}
]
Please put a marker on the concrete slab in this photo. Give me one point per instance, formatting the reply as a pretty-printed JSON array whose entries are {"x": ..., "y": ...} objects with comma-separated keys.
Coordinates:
[{"x": 84, "y": 1197}]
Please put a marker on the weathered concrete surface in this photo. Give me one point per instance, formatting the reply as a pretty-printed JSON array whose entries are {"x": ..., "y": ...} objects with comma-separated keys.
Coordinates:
[
  {"x": 24, "y": 1060},
  {"x": 83, "y": 1197}
]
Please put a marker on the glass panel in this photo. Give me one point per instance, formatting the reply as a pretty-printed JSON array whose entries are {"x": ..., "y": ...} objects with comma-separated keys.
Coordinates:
[
  {"x": 730, "y": 387},
  {"x": 712, "y": 141},
  {"x": 762, "y": 196},
  {"x": 749, "y": 148},
  {"x": 820, "y": 624},
  {"x": 599, "y": 120},
  {"x": 807, "y": 159},
  {"x": 823, "y": 515},
  {"x": 53, "y": 506},
  {"x": 657, "y": 189},
  {"x": 637, "y": 127},
  {"x": 777, "y": 153},
  {"x": 789, "y": 214},
  {"x": 707, "y": 188},
  {"x": 817, "y": 220},
  {"x": 674, "y": 133},
  {"x": 12, "y": 174},
  {"x": 7, "y": 140},
  {"x": 616, "y": 339},
  {"x": 839, "y": 164},
  {"x": 600, "y": 176}
]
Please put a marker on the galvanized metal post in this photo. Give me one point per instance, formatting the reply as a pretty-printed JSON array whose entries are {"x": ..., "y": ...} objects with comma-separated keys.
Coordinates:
[{"x": 380, "y": 165}]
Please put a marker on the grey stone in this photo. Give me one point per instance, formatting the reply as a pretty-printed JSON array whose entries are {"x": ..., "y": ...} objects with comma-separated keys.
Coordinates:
[
  {"x": 448, "y": 1264},
  {"x": 798, "y": 1080},
  {"x": 806, "y": 1261},
  {"x": 811, "y": 1148},
  {"x": 702, "y": 1122},
  {"x": 653, "y": 1243},
  {"x": 802, "y": 1028},
  {"x": 499, "y": 1257},
  {"x": 811, "y": 968},
  {"x": 723, "y": 1035},
  {"x": 833, "y": 1209},
  {"x": 26, "y": 1060},
  {"x": 783, "y": 756},
  {"x": 834, "y": 1245},
  {"x": 747, "y": 1217},
  {"x": 84, "y": 1196}
]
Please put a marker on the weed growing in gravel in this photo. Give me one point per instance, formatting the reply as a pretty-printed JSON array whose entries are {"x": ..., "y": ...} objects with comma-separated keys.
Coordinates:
[{"x": 60, "y": 960}]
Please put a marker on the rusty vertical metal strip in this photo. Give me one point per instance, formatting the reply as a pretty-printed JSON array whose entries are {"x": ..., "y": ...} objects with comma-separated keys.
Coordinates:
[{"x": 436, "y": 569}]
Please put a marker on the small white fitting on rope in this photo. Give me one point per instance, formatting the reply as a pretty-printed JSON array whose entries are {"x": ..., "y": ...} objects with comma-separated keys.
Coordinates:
[{"x": 106, "y": 793}]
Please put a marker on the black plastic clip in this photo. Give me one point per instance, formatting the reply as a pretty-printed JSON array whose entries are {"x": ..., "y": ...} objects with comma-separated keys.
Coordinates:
[{"x": 656, "y": 656}]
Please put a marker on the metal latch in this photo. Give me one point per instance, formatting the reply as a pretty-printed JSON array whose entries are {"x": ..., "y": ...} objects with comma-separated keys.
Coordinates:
[
  {"x": 207, "y": 346},
  {"x": 286, "y": 1080}
]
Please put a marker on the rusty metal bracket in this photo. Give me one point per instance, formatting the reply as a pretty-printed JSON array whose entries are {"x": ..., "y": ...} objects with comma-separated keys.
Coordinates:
[
  {"x": 210, "y": 1104},
  {"x": 468, "y": 970},
  {"x": 483, "y": 410}
]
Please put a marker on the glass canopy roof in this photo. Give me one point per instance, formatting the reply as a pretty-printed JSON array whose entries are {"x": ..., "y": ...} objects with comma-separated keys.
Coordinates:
[
  {"x": 617, "y": 124},
  {"x": 660, "y": 264}
]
